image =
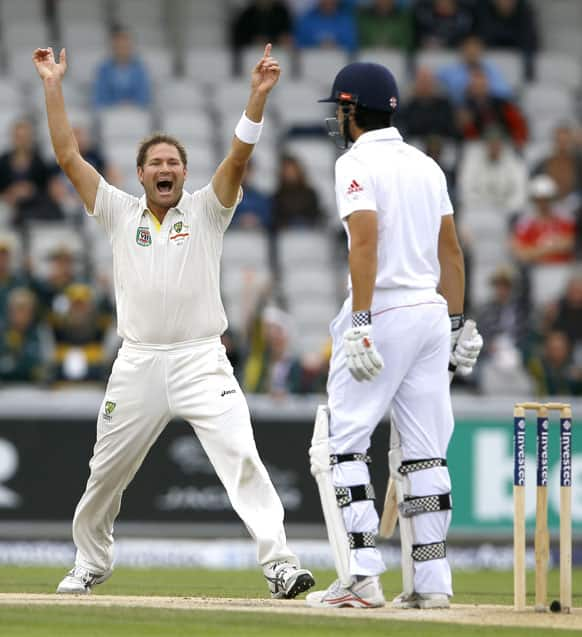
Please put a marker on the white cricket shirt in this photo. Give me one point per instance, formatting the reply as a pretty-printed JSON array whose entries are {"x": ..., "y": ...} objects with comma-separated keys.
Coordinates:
[
  {"x": 408, "y": 191},
  {"x": 167, "y": 276}
]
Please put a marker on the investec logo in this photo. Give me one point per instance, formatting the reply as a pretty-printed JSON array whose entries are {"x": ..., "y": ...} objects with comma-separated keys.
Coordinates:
[
  {"x": 543, "y": 453},
  {"x": 495, "y": 468},
  {"x": 566, "y": 454},
  {"x": 520, "y": 453}
]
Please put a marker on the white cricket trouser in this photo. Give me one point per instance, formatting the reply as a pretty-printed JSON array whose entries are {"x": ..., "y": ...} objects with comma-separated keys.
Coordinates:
[
  {"x": 150, "y": 385},
  {"x": 411, "y": 330}
]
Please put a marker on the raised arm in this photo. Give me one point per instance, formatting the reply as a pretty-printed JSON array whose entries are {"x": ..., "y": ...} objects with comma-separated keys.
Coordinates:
[
  {"x": 83, "y": 176},
  {"x": 228, "y": 176}
]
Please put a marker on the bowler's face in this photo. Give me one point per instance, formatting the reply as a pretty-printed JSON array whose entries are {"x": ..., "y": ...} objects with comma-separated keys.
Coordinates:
[{"x": 162, "y": 175}]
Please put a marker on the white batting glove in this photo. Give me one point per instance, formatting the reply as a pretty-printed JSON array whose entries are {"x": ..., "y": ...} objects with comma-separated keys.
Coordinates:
[
  {"x": 364, "y": 360},
  {"x": 466, "y": 344}
]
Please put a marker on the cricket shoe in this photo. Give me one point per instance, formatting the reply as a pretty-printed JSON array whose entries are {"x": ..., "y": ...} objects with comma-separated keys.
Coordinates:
[
  {"x": 422, "y": 600},
  {"x": 286, "y": 581},
  {"x": 366, "y": 593},
  {"x": 79, "y": 581}
]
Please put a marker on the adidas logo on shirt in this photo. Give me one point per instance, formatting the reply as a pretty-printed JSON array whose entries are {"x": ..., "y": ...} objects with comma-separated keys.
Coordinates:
[{"x": 354, "y": 187}]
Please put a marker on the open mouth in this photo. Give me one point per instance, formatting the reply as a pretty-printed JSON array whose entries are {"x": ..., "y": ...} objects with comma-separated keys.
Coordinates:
[{"x": 164, "y": 186}]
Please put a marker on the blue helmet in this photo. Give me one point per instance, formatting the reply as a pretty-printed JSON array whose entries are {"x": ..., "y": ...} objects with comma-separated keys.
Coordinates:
[{"x": 365, "y": 84}]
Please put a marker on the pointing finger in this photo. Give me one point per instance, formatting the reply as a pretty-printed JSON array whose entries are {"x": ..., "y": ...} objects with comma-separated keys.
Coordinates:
[{"x": 267, "y": 52}]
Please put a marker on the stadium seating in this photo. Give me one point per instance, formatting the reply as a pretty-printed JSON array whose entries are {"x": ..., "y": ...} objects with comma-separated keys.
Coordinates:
[
  {"x": 394, "y": 60},
  {"x": 198, "y": 99}
]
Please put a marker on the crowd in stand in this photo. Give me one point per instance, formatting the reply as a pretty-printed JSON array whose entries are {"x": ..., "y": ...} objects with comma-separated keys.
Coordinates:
[{"x": 60, "y": 327}]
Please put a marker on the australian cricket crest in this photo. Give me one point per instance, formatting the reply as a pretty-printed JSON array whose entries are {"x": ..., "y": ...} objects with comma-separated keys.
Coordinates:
[
  {"x": 179, "y": 233},
  {"x": 143, "y": 236},
  {"x": 108, "y": 409}
]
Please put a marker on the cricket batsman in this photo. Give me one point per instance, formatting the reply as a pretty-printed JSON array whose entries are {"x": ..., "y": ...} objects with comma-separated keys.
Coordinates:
[
  {"x": 397, "y": 336},
  {"x": 166, "y": 257}
]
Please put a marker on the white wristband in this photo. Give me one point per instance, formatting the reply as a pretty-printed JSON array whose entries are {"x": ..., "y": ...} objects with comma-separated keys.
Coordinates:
[{"x": 247, "y": 130}]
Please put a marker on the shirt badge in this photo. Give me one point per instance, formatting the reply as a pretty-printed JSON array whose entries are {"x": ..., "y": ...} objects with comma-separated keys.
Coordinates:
[
  {"x": 143, "y": 236},
  {"x": 354, "y": 187},
  {"x": 179, "y": 233}
]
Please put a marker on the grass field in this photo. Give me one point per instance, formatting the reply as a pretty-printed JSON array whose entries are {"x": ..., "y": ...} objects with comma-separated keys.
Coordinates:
[{"x": 78, "y": 619}]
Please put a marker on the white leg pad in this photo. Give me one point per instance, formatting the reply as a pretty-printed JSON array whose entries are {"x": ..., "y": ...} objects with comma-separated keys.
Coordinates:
[
  {"x": 321, "y": 470},
  {"x": 402, "y": 488}
]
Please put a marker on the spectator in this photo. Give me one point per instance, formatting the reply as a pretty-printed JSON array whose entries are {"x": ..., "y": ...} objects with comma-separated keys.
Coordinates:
[
  {"x": 441, "y": 23},
  {"x": 9, "y": 279},
  {"x": 385, "y": 24},
  {"x": 545, "y": 236},
  {"x": 295, "y": 203},
  {"x": 262, "y": 21},
  {"x": 509, "y": 24},
  {"x": 564, "y": 163},
  {"x": 79, "y": 332},
  {"x": 24, "y": 176},
  {"x": 565, "y": 315},
  {"x": 455, "y": 77},
  {"x": 427, "y": 111},
  {"x": 327, "y": 25},
  {"x": 22, "y": 342},
  {"x": 254, "y": 210},
  {"x": 553, "y": 371},
  {"x": 270, "y": 367},
  {"x": 481, "y": 110},
  {"x": 492, "y": 175},
  {"x": 122, "y": 79},
  {"x": 504, "y": 319},
  {"x": 435, "y": 148},
  {"x": 50, "y": 291}
]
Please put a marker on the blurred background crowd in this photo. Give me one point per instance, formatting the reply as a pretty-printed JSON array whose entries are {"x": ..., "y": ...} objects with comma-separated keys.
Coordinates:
[{"x": 490, "y": 89}]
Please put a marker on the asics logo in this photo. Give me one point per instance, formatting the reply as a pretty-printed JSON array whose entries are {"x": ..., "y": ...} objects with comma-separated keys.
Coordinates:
[{"x": 225, "y": 392}]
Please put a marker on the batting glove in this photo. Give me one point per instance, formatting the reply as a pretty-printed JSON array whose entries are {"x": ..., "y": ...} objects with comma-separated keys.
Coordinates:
[
  {"x": 364, "y": 360},
  {"x": 466, "y": 344}
]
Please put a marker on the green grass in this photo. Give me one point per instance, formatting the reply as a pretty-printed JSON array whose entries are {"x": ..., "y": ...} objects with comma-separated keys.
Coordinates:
[
  {"x": 39, "y": 621},
  {"x": 126, "y": 622},
  {"x": 471, "y": 587}
]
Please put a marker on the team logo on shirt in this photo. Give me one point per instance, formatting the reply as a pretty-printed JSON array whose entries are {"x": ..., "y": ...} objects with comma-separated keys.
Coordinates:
[
  {"x": 354, "y": 187},
  {"x": 108, "y": 409},
  {"x": 180, "y": 233},
  {"x": 143, "y": 236}
]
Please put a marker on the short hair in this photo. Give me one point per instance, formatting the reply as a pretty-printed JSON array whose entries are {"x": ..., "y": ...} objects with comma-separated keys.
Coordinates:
[
  {"x": 369, "y": 119},
  {"x": 154, "y": 140}
]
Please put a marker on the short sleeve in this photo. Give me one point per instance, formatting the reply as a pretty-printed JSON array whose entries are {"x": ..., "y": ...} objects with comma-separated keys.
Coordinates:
[
  {"x": 110, "y": 203},
  {"x": 446, "y": 207},
  {"x": 354, "y": 188},
  {"x": 217, "y": 214}
]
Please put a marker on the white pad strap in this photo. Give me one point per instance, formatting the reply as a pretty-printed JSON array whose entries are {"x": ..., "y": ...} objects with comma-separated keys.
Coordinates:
[{"x": 334, "y": 521}]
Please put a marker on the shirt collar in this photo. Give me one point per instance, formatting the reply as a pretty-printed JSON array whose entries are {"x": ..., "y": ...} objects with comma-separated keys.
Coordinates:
[
  {"x": 180, "y": 206},
  {"x": 390, "y": 134}
]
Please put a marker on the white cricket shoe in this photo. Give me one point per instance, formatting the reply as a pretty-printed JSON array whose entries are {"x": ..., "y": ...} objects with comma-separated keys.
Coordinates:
[
  {"x": 79, "y": 581},
  {"x": 367, "y": 593},
  {"x": 285, "y": 580},
  {"x": 422, "y": 600}
]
